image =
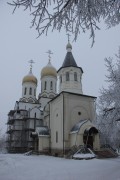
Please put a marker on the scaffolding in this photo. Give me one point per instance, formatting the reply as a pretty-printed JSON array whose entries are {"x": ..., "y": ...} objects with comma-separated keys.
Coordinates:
[{"x": 19, "y": 130}]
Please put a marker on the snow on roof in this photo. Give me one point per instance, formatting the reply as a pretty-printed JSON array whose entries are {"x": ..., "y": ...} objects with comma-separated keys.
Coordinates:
[
  {"x": 43, "y": 130},
  {"x": 77, "y": 126}
]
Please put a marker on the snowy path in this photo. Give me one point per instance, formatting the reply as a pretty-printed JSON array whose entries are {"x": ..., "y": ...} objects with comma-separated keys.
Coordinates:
[{"x": 20, "y": 167}]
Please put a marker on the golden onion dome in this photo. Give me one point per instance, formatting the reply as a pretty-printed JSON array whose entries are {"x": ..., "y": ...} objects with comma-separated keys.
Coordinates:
[
  {"x": 49, "y": 70},
  {"x": 30, "y": 78}
]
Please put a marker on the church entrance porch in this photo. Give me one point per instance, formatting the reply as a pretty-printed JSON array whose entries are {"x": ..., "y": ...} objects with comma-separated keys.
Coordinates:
[
  {"x": 86, "y": 134},
  {"x": 89, "y": 136}
]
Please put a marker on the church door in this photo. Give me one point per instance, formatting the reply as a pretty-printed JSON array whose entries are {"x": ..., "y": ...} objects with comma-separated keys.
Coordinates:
[{"x": 88, "y": 141}]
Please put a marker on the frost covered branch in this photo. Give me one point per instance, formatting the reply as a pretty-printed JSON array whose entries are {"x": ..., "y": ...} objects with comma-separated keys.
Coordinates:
[
  {"x": 109, "y": 103},
  {"x": 74, "y": 15}
]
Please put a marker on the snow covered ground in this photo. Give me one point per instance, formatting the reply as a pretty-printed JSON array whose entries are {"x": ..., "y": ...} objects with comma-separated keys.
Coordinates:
[{"x": 21, "y": 167}]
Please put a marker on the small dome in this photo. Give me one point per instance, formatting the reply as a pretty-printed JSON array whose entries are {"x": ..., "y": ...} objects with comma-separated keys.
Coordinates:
[
  {"x": 69, "y": 46},
  {"x": 30, "y": 78},
  {"x": 49, "y": 70}
]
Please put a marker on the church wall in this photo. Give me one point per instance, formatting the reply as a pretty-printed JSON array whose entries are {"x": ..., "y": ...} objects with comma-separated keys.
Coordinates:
[
  {"x": 46, "y": 116},
  {"x": 43, "y": 143},
  {"x": 35, "y": 113},
  {"x": 71, "y": 85},
  {"x": 43, "y": 101},
  {"x": 47, "y": 87},
  {"x": 28, "y": 85},
  {"x": 47, "y": 121},
  {"x": 27, "y": 106},
  {"x": 56, "y": 124},
  {"x": 34, "y": 110},
  {"x": 64, "y": 117},
  {"x": 96, "y": 142},
  {"x": 76, "y": 108},
  {"x": 76, "y": 139}
]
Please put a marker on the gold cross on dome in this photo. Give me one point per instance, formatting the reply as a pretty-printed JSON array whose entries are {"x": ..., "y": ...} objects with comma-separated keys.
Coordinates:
[
  {"x": 31, "y": 64},
  {"x": 49, "y": 52}
]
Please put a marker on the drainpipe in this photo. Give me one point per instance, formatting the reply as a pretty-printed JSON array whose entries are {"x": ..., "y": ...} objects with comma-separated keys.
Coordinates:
[
  {"x": 63, "y": 126},
  {"x": 50, "y": 132}
]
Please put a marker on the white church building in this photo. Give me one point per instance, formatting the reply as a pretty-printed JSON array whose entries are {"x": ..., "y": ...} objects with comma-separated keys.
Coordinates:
[{"x": 54, "y": 122}]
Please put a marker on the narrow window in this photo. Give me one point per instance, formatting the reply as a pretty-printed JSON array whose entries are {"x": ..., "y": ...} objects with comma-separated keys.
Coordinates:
[
  {"x": 60, "y": 79},
  {"x": 35, "y": 115},
  {"x": 56, "y": 136},
  {"x": 45, "y": 87},
  {"x": 34, "y": 92},
  {"x": 79, "y": 113},
  {"x": 55, "y": 87},
  {"x": 30, "y": 91},
  {"x": 51, "y": 85},
  {"x": 25, "y": 91},
  {"x": 67, "y": 76},
  {"x": 75, "y": 76}
]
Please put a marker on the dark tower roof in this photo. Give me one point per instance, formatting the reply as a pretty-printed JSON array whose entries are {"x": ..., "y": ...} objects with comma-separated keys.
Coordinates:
[{"x": 69, "y": 60}]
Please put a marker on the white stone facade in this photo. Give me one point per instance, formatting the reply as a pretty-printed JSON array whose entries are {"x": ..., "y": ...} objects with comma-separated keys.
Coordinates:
[
  {"x": 46, "y": 124},
  {"x": 73, "y": 84}
]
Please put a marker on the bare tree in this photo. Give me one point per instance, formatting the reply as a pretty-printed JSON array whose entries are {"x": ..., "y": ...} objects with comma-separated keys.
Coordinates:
[{"x": 74, "y": 15}]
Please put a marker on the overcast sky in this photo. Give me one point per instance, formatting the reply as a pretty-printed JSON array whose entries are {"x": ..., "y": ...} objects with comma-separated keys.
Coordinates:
[{"x": 18, "y": 44}]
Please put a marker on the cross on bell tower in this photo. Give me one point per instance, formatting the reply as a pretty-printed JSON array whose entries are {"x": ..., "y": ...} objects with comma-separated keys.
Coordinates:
[{"x": 68, "y": 37}]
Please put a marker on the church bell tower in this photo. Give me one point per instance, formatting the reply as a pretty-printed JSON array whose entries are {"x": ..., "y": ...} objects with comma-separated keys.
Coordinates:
[{"x": 70, "y": 74}]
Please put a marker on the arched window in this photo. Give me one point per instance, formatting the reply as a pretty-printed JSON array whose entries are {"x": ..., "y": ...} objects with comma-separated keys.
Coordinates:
[
  {"x": 75, "y": 76},
  {"x": 30, "y": 91},
  {"x": 25, "y": 91},
  {"x": 45, "y": 87},
  {"x": 51, "y": 85},
  {"x": 61, "y": 79},
  {"x": 67, "y": 76}
]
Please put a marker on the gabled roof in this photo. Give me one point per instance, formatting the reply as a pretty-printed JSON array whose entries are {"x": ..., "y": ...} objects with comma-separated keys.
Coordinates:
[{"x": 76, "y": 94}]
